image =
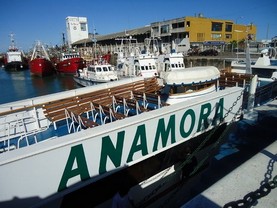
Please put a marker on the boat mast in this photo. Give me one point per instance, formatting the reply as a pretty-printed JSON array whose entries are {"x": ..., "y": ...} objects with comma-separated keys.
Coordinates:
[
  {"x": 248, "y": 59},
  {"x": 94, "y": 43},
  {"x": 12, "y": 46}
]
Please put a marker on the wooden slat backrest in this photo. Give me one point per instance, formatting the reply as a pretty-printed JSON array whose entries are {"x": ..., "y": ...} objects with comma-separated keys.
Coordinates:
[{"x": 55, "y": 110}]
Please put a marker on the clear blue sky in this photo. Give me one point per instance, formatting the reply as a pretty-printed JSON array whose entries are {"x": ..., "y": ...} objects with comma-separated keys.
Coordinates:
[{"x": 44, "y": 20}]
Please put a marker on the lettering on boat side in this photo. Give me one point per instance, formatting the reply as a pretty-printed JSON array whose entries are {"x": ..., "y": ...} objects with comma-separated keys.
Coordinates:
[{"x": 165, "y": 135}]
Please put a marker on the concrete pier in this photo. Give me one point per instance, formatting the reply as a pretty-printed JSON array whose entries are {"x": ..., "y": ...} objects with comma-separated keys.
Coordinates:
[
  {"x": 243, "y": 180},
  {"x": 250, "y": 175}
]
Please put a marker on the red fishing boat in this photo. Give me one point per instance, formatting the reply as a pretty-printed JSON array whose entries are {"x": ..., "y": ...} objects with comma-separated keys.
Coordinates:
[
  {"x": 70, "y": 62},
  {"x": 40, "y": 63}
]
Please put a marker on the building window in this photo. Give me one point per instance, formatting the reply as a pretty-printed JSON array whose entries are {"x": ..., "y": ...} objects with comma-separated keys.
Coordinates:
[
  {"x": 200, "y": 37},
  {"x": 228, "y": 28},
  {"x": 83, "y": 26},
  {"x": 216, "y": 36},
  {"x": 188, "y": 23},
  {"x": 228, "y": 36},
  {"x": 164, "y": 29},
  {"x": 178, "y": 25},
  {"x": 216, "y": 26},
  {"x": 155, "y": 29}
]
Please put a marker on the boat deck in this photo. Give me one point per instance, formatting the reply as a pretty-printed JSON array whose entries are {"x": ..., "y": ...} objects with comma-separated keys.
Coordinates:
[{"x": 71, "y": 114}]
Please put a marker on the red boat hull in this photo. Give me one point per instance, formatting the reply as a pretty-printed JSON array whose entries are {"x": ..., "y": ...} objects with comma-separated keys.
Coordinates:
[
  {"x": 41, "y": 67},
  {"x": 70, "y": 66}
]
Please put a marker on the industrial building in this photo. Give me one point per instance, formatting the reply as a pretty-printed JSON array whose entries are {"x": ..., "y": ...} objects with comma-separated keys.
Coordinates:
[{"x": 201, "y": 32}]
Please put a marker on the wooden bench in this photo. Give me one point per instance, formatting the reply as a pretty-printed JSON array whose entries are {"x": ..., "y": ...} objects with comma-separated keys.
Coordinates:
[
  {"x": 112, "y": 113},
  {"x": 129, "y": 104},
  {"x": 149, "y": 98},
  {"x": 76, "y": 117},
  {"x": 55, "y": 110}
]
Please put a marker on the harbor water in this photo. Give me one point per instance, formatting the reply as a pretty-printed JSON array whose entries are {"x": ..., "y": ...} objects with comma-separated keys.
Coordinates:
[{"x": 21, "y": 85}]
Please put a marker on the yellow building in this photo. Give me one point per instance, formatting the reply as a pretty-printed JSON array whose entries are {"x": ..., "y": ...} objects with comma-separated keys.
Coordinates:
[{"x": 201, "y": 29}]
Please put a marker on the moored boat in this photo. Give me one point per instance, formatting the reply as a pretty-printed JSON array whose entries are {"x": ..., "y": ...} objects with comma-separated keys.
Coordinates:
[
  {"x": 40, "y": 63},
  {"x": 134, "y": 62},
  {"x": 14, "y": 59},
  {"x": 96, "y": 73},
  {"x": 80, "y": 140},
  {"x": 264, "y": 67},
  {"x": 69, "y": 62}
]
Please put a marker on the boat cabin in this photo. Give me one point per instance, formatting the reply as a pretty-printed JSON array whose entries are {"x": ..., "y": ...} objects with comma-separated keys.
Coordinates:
[
  {"x": 69, "y": 56},
  {"x": 170, "y": 62},
  {"x": 100, "y": 73}
]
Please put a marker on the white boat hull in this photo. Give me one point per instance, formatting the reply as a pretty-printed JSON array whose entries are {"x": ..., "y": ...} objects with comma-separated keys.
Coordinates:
[{"x": 62, "y": 165}]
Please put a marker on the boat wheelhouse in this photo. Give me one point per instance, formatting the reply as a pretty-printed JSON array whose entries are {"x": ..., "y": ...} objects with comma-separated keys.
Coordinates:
[
  {"x": 170, "y": 61},
  {"x": 132, "y": 61}
]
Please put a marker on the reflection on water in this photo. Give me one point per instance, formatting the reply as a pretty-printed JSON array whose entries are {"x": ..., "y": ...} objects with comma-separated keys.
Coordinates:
[{"x": 21, "y": 85}]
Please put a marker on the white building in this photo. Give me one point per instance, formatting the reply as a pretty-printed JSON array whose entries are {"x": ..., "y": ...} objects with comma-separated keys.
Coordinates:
[{"x": 76, "y": 28}]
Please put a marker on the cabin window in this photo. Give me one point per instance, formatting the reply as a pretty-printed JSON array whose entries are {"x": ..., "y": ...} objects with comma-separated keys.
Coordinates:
[
  {"x": 98, "y": 69},
  {"x": 153, "y": 67},
  {"x": 172, "y": 66},
  {"x": 109, "y": 68},
  {"x": 189, "y": 88},
  {"x": 119, "y": 66},
  {"x": 146, "y": 67},
  {"x": 105, "y": 69},
  {"x": 142, "y": 67},
  {"x": 150, "y": 67},
  {"x": 166, "y": 67}
]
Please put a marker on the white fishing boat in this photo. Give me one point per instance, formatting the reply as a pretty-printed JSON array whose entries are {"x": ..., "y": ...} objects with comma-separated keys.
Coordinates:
[
  {"x": 262, "y": 67},
  {"x": 136, "y": 62},
  {"x": 75, "y": 148},
  {"x": 97, "y": 73}
]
